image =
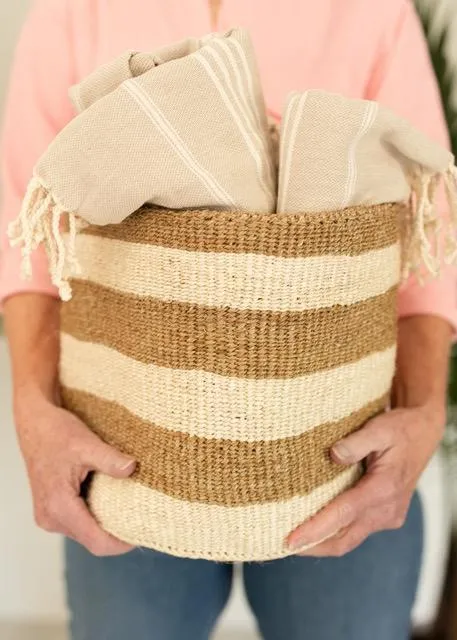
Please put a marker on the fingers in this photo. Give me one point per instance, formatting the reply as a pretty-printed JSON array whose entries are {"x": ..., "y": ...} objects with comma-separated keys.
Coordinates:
[
  {"x": 342, "y": 512},
  {"x": 349, "y": 538},
  {"x": 374, "y": 437},
  {"x": 341, "y": 543},
  {"x": 379, "y": 500},
  {"x": 59, "y": 453},
  {"x": 85, "y": 530},
  {"x": 70, "y": 517},
  {"x": 100, "y": 456},
  {"x": 338, "y": 515}
]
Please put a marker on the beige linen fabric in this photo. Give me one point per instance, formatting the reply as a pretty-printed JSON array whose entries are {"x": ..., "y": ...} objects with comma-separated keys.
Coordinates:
[
  {"x": 337, "y": 152},
  {"x": 140, "y": 139}
]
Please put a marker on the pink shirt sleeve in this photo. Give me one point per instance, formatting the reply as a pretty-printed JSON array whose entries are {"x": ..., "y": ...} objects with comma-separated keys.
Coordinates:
[
  {"x": 404, "y": 80},
  {"x": 37, "y": 108}
]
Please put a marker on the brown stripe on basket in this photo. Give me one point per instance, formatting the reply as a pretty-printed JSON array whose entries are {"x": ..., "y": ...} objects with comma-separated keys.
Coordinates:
[
  {"x": 352, "y": 231},
  {"x": 232, "y": 342},
  {"x": 223, "y": 472}
]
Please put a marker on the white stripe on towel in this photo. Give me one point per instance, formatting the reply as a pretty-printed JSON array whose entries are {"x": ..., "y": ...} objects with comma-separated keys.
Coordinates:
[
  {"x": 146, "y": 103},
  {"x": 247, "y": 133},
  {"x": 369, "y": 116},
  {"x": 286, "y": 156}
]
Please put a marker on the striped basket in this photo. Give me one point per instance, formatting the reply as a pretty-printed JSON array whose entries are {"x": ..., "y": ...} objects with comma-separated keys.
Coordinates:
[{"x": 227, "y": 352}]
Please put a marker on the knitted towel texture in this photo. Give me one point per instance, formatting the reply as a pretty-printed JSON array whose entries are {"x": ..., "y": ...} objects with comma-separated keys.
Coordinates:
[{"x": 230, "y": 303}]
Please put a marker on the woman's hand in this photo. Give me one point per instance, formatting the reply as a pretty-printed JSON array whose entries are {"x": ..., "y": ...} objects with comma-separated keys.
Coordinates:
[
  {"x": 396, "y": 446},
  {"x": 59, "y": 452}
]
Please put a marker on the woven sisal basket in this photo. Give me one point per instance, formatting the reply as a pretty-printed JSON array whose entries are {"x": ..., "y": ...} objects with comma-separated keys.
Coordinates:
[{"x": 227, "y": 352}]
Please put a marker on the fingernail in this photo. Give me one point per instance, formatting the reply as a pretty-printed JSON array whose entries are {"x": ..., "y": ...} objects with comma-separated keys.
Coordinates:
[
  {"x": 299, "y": 544},
  {"x": 341, "y": 451},
  {"x": 128, "y": 465}
]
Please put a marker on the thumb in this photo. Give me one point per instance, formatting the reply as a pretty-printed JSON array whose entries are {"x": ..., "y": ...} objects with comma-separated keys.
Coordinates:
[
  {"x": 105, "y": 458},
  {"x": 373, "y": 437}
]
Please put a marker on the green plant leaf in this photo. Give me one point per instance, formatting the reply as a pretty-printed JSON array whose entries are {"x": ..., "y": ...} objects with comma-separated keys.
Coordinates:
[{"x": 445, "y": 71}]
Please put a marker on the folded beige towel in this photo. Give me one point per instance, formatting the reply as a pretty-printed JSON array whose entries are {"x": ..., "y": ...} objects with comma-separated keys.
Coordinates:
[
  {"x": 185, "y": 127},
  {"x": 338, "y": 152}
]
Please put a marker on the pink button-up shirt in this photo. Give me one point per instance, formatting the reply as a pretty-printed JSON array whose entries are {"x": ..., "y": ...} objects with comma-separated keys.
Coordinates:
[{"x": 360, "y": 48}]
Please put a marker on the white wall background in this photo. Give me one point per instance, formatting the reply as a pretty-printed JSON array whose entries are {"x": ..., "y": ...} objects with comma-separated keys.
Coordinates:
[{"x": 31, "y": 572}]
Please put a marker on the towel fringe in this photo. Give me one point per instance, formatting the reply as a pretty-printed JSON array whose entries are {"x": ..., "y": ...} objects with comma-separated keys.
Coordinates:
[
  {"x": 450, "y": 183},
  {"x": 425, "y": 228},
  {"x": 39, "y": 222}
]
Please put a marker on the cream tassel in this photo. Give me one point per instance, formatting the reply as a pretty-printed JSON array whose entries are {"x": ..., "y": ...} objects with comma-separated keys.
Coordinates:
[
  {"x": 422, "y": 237},
  {"x": 39, "y": 222},
  {"x": 450, "y": 182}
]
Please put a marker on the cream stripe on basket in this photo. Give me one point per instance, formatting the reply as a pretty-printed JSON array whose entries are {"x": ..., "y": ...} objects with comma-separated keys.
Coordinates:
[
  {"x": 225, "y": 472},
  {"x": 245, "y": 343},
  {"x": 254, "y": 532},
  {"x": 146, "y": 103},
  {"x": 225, "y": 280},
  {"x": 207, "y": 405}
]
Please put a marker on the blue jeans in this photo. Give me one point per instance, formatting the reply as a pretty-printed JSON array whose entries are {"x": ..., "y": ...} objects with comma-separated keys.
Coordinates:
[{"x": 146, "y": 595}]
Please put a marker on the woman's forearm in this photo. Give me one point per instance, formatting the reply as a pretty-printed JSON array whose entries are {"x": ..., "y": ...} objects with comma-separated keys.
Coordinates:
[
  {"x": 32, "y": 329},
  {"x": 422, "y": 363}
]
